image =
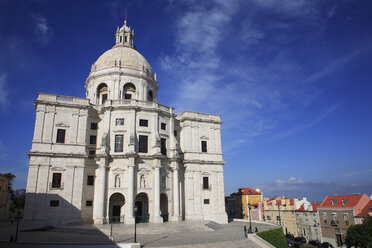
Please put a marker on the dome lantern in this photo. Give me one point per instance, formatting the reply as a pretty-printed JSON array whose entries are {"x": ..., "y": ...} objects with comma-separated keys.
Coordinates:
[{"x": 124, "y": 35}]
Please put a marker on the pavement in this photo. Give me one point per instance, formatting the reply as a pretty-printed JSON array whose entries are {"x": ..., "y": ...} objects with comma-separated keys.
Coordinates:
[{"x": 185, "y": 234}]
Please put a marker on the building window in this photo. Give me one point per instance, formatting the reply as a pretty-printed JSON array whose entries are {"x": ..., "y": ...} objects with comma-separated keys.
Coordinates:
[
  {"x": 54, "y": 203},
  {"x": 90, "y": 180},
  {"x": 142, "y": 143},
  {"x": 175, "y": 133},
  {"x": 93, "y": 126},
  {"x": 119, "y": 122},
  {"x": 163, "y": 148},
  {"x": 334, "y": 202},
  {"x": 104, "y": 98},
  {"x": 204, "y": 146},
  {"x": 206, "y": 201},
  {"x": 119, "y": 143},
  {"x": 56, "y": 181},
  {"x": 93, "y": 140},
  {"x": 205, "y": 183},
  {"x": 61, "y": 133},
  {"x": 92, "y": 152},
  {"x": 127, "y": 96},
  {"x": 89, "y": 203},
  {"x": 163, "y": 126},
  {"x": 143, "y": 123},
  {"x": 252, "y": 197},
  {"x": 334, "y": 216},
  {"x": 346, "y": 219},
  {"x": 324, "y": 218},
  {"x": 344, "y": 202}
]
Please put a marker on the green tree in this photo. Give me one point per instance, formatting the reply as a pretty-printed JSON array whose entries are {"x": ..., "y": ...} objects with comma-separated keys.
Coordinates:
[
  {"x": 360, "y": 235},
  {"x": 10, "y": 177}
]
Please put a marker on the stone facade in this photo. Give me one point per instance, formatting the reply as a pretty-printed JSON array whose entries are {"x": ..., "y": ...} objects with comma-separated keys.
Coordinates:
[
  {"x": 308, "y": 222},
  {"x": 281, "y": 211},
  {"x": 4, "y": 198},
  {"x": 95, "y": 159}
]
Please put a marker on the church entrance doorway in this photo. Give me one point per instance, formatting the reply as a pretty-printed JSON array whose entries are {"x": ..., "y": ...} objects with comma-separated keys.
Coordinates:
[
  {"x": 142, "y": 204},
  {"x": 116, "y": 209},
  {"x": 164, "y": 207}
]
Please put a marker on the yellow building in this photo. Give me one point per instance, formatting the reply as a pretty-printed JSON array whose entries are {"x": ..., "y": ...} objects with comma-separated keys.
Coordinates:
[
  {"x": 253, "y": 197},
  {"x": 281, "y": 211}
]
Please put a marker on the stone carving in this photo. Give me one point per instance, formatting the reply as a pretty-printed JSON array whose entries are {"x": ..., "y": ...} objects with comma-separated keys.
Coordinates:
[
  {"x": 143, "y": 181},
  {"x": 117, "y": 181}
]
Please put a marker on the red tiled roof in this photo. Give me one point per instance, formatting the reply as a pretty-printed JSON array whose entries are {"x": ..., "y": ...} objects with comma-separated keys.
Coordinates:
[
  {"x": 315, "y": 206},
  {"x": 249, "y": 191},
  {"x": 366, "y": 210},
  {"x": 352, "y": 200}
]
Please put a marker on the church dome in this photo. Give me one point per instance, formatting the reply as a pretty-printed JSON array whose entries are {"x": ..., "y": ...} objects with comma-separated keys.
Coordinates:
[{"x": 124, "y": 57}]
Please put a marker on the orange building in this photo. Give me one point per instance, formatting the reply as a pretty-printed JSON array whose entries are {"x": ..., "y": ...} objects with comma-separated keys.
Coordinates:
[{"x": 253, "y": 197}]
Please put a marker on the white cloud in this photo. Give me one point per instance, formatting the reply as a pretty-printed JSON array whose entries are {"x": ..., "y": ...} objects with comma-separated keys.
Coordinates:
[
  {"x": 3, "y": 91},
  {"x": 219, "y": 68},
  {"x": 42, "y": 29},
  {"x": 315, "y": 191}
]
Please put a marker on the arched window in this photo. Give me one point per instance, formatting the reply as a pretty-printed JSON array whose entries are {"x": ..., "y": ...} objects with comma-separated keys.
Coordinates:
[
  {"x": 102, "y": 93},
  {"x": 129, "y": 91},
  {"x": 150, "y": 96}
]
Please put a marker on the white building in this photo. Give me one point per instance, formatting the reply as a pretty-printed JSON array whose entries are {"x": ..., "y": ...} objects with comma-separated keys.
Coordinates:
[{"x": 95, "y": 158}]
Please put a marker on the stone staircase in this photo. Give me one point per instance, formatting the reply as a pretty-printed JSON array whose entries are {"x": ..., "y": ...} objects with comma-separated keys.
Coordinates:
[{"x": 214, "y": 226}]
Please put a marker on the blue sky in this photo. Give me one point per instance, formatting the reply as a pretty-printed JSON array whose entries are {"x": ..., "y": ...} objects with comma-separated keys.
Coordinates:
[{"x": 290, "y": 79}]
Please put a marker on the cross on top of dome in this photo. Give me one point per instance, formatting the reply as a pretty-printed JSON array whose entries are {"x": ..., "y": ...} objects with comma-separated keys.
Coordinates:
[{"x": 124, "y": 35}]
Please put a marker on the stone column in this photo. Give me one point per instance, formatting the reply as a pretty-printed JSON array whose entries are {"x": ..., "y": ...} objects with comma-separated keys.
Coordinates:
[
  {"x": 100, "y": 202},
  {"x": 157, "y": 218},
  {"x": 129, "y": 217},
  {"x": 176, "y": 193}
]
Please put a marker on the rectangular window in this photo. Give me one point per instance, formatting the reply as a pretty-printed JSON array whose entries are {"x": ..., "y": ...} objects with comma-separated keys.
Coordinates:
[
  {"x": 346, "y": 219},
  {"x": 143, "y": 123},
  {"x": 93, "y": 126},
  {"x": 56, "y": 181},
  {"x": 324, "y": 218},
  {"x": 204, "y": 146},
  {"x": 54, "y": 203},
  {"x": 163, "y": 126},
  {"x": 93, "y": 140},
  {"x": 104, "y": 98},
  {"x": 206, "y": 201},
  {"x": 127, "y": 96},
  {"x": 142, "y": 143},
  {"x": 334, "y": 216},
  {"x": 92, "y": 152},
  {"x": 205, "y": 183},
  {"x": 61, "y": 133},
  {"x": 163, "y": 148},
  {"x": 119, "y": 122},
  {"x": 90, "y": 180},
  {"x": 89, "y": 203},
  {"x": 119, "y": 143}
]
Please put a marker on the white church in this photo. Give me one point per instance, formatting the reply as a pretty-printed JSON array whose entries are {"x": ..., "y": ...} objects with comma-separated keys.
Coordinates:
[{"x": 100, "y": 158}]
